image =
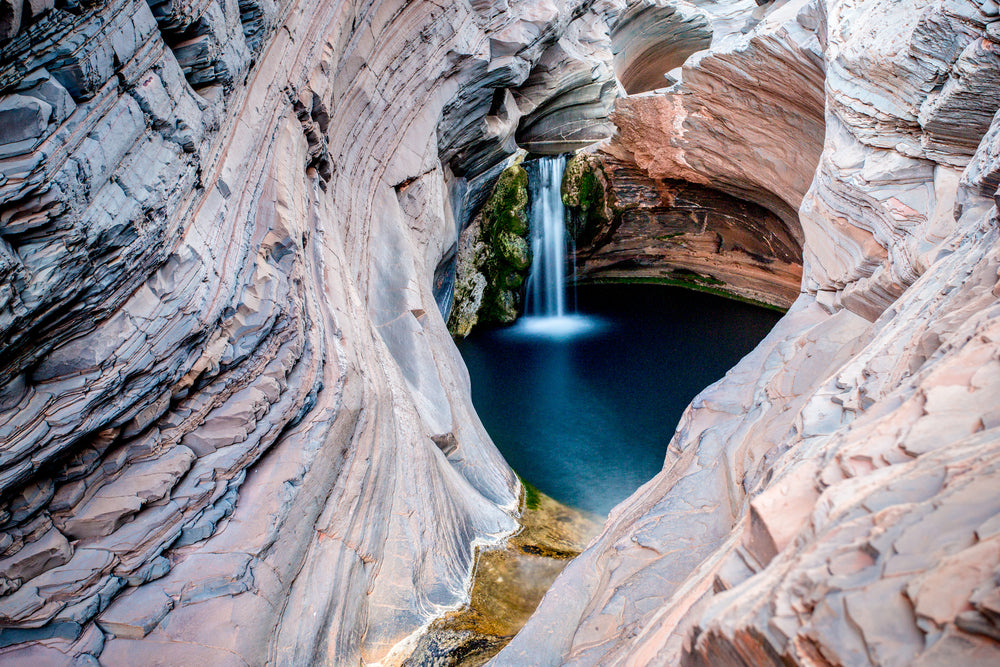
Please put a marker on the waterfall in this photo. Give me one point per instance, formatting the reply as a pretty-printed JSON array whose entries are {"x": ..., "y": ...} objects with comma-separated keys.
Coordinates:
[
  {"x": 545, "y": 305},
  {"x": 546, "y": 288}
]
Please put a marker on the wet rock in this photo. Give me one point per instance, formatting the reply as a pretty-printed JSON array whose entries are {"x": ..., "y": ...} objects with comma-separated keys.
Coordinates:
[{"x": 493, "y": 257}]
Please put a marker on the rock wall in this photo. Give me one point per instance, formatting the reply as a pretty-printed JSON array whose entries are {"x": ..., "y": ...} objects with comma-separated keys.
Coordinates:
[
  {"x": 631, "y": 227},
  {"x": 833, "y": 499},
  {"x": 652, "y": 38},
  {"x": 746, "y": 119},
  {"x": 233, "y": 427}
]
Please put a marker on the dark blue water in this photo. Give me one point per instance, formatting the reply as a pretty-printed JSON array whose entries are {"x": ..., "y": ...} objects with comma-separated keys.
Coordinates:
[{"x": 586, "y": 417}]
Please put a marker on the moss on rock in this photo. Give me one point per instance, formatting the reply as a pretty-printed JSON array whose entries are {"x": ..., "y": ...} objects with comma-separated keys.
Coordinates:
[
  {"x": 588, "y": 200},
  {"x": 514, "y": 250},
  {"x": 506, "y": 209},
  {"x": 494, "y": 257},
  {"x": 507, "y": 585}
]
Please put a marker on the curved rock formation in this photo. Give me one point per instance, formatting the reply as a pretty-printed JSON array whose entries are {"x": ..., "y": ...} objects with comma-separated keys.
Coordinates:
[
  {"x": 566, "y": 100},
  {"x": 652, "y": 38},
  {"x": 630, "y": 227},
  {"x": 833, "y": 499},
  {"x": 233, "y": 427},
  {"x": 747, "y": 118}
]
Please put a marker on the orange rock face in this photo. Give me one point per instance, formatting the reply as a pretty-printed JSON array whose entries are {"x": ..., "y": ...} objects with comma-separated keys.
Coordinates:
[
  {"x": 675, "y": 230},
  {"x": 834, "y": 499}
]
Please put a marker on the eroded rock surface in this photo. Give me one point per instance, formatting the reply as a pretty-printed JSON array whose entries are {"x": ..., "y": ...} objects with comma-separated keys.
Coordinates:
[
  {"x": 832, "y": 500},
  {"x": 233, "y": 426},
  {"x": 630, "y": 227}
]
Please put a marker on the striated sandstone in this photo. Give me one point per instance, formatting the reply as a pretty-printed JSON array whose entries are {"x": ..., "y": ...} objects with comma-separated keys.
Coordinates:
[
  {"x": 747, "y": 117},
  {"x": 629, "y": 227},
  {"x": 653, "y": 38},
  {"x": 833, "y": 499},
  {"x": 233, "y": 426}
]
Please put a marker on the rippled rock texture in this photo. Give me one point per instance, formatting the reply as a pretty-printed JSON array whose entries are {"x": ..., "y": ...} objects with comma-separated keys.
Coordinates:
[
  {"x": 630, "y": 227},
  {"x": 233, "y": 426},
  {"x": 834, "y": 499}
]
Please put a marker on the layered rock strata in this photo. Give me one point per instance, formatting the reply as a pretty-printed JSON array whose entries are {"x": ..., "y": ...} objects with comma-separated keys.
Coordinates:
[
  {"x": 832, "y": 500},
  {"x": 630, "y": 227},
  {"x": 650, "y": 39},
  {"x": 747, "y": 118},
  {"x": 233, "y": 426}
]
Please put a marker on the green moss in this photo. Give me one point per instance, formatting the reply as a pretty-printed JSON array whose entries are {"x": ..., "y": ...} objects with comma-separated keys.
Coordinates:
[
  {"x": 514, "y": 250},
  {"x": 504, "y": 307},
  {"x": 686, "y": 275},
  {"x": 532, "y": 496},
  {"x": 585, "y": 195},
  {"x": 505, "y": 230},
  {"x": 506, "y": 209}
]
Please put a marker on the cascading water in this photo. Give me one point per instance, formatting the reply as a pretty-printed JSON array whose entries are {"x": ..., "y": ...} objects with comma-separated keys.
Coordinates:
[
  {"x": 546, "y": 289},
  {"x": 545, "y": 311}
]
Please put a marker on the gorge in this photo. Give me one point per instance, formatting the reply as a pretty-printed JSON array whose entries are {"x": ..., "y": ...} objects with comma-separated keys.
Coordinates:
[{"x": 234, "y": 235}]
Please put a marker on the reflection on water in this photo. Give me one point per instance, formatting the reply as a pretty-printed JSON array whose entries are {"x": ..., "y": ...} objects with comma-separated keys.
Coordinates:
[
  {"x": 558, "y": 328},
  {"x": 584, "y": 407}
]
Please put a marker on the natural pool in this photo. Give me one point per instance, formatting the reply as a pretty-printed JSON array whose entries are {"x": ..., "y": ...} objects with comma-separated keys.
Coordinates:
[{"x": 585, "y": 411}]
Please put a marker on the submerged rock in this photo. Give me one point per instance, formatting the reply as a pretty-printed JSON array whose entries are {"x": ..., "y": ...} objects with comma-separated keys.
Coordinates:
[{"x": 507, "y": 585}]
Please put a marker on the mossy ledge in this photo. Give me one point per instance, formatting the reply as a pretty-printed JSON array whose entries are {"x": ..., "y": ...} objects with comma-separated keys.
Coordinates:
[
  {"x": 686, "y": 282},
  {"x": 507, "y": 584},
  {"x": 592, "y": 215},
  {"x": 494, "y": 257}
]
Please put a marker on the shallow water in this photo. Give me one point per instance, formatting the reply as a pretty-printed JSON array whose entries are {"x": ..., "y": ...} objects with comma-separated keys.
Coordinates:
[{"x": 583, "y": 407}]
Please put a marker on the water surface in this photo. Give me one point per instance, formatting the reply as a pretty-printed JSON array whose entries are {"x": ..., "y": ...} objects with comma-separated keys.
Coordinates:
[{"x": 584, "y": 408}]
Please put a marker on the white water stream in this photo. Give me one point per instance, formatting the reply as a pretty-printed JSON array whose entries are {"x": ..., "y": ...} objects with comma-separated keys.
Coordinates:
[{"x": 546, "y": 312}]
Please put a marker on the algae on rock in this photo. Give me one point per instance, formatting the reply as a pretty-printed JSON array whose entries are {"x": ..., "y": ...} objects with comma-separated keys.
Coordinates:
[
  {"x": 494, "y": 256},
  {"x": 508, "y": 584},
  {"x": 588, "y": 201}
]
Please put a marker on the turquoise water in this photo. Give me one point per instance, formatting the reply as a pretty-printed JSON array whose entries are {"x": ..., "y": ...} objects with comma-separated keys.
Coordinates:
[{"x": 583, "y": 407}]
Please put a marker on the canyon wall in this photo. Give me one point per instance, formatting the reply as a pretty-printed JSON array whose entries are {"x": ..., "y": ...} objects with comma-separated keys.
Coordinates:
[
  {"x": 233, "y": 426},
  {"x": 631, "y": 227},
  {"x": 833, "y": 499}
]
